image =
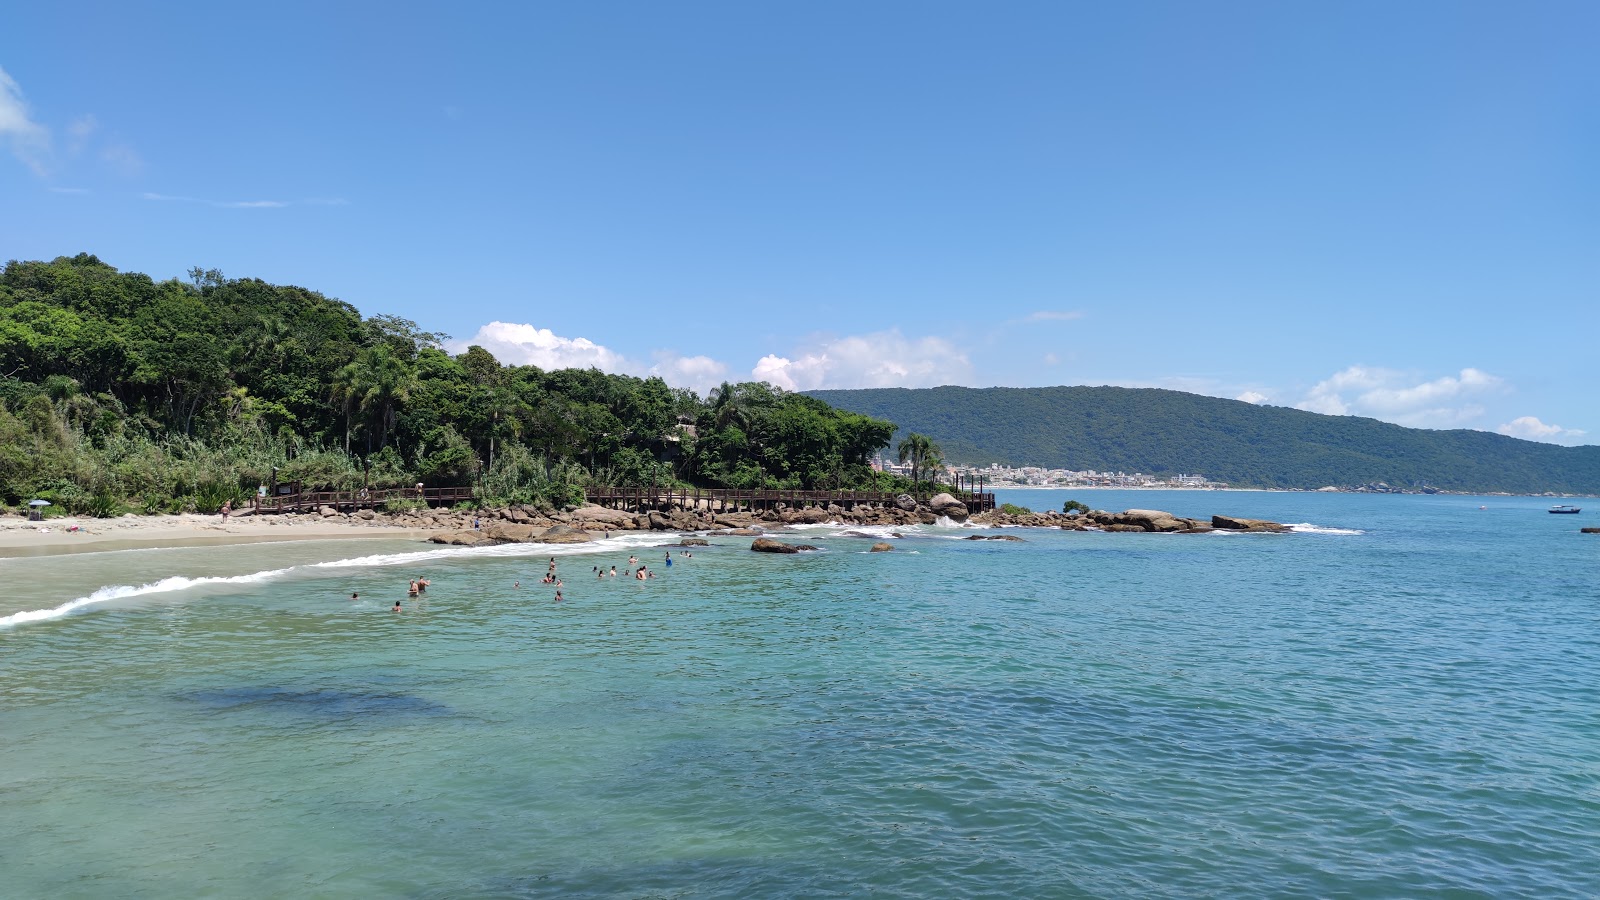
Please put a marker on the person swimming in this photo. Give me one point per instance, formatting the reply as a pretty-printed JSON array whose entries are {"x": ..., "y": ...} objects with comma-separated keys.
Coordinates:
[
  {"x": 558, "y": 596},
  {"x": 354, "y": 596},
  {"x": 633, "y": 560},
  {"x": 613, "y": 571},
  {"x": 396, "y": 607}
]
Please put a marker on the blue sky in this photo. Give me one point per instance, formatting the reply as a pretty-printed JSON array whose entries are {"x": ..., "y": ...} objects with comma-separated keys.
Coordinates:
[{"x": 1361, "y": 208}]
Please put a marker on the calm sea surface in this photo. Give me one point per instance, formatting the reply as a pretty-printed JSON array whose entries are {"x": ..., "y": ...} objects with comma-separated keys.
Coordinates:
[{"x": 1403, "y": 700}]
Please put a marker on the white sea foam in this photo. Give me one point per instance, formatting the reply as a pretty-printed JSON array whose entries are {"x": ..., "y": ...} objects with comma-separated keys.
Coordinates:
[
  {"x": 1308, "y": 528},
  {"x": 122, "y": 591},
  {"x": 414, "y": 558}
]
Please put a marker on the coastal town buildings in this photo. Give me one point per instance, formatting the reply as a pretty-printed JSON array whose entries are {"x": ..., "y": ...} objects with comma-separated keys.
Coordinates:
[{"x": 998, "y": 475}]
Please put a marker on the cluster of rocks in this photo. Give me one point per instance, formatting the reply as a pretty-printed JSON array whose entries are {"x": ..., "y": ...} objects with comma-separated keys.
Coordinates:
[{"x": 526, "y": 524}]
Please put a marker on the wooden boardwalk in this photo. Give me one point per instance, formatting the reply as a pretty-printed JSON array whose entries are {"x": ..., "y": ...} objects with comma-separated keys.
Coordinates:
[
  {"x": 635, "y": 499},
  {"x": 729, "y": 499},
  {"x": 349, "y": 501}
]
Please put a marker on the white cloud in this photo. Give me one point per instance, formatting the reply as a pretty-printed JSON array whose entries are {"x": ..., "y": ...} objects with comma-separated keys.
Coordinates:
[
  {"x": 1050, "y": 359},
  {"x": 29, "y": 141},
  {"x": 524, "y": 345},
  {"x": 1530, "y": 428},
  {"x": 1054, "y": 315},
  {"x": 697, "y": 373},
  {"x": 67, "y": 190},
  {"x": 1255, "y": 397},
  {"x": 882, "y": 359},
  {"x": 1397, "y": 397}
]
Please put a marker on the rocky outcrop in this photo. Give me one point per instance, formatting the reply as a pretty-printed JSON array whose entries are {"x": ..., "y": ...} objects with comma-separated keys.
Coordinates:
[
  {"x": 694, "y": 542},
  {"x": 1232, "y": 523},
  {"x": 600, "y": 515},
  {"x": 881, "y": 547},
  {"x": 562, "y": 534},
  {"x": 1589, "y": 530},
  {"x": 991, "y": 537},
  {"x": 905, "y": 502},
  {"x": 468, "y": 538},
  {"x": 508, "y": 533},
  {"x": 768, "y": 545}
]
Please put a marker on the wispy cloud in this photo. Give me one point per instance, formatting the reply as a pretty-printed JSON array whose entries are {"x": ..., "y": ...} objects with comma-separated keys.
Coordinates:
[
  {"x": 1530, "y": 428},
  {"x": 67, "y": 190},
  {"x": 1053, "y": 315},
  {"x": 29, "y": 141},
  {"x": 240, "y": 204},
  {"x": 122, "y": 158},
  {"x": 882, "y": 359},
  {"x": 79, "y": 132}
]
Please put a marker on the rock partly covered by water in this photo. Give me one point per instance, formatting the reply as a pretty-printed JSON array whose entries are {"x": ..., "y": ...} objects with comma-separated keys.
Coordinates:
[
  {"x": 881, "y": 547},
  {"x": 1232, "y": 523}
]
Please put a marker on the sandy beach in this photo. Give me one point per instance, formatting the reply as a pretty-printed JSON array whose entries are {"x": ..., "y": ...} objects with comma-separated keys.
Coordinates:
[{"x": 67, "y": 534}]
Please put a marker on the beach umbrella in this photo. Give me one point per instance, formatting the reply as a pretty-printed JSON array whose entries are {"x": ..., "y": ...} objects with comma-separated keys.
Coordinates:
[{"x": 38, "y": 502}]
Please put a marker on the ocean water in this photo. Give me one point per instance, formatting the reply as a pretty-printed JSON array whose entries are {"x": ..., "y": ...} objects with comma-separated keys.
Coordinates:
[{"x": 1400, "y": 699}]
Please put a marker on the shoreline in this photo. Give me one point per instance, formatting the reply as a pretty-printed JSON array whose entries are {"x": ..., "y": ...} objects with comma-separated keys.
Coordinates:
[{"x": 23, "y": 539}]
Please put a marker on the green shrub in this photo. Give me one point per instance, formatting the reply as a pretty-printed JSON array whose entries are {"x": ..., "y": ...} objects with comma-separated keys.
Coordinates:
[
  {"x": 1072, "y": 505},
  {"x": 103, "y": 506},
  {"x": 396, "y": 504},
  {"x": 1011, "y": 509}
]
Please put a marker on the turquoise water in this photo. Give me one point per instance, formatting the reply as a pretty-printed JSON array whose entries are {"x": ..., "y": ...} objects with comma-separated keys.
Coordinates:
[{"x": 1403, "y": 699}]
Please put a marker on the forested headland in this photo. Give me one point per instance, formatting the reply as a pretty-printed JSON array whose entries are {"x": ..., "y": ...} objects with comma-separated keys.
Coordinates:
[
  {"x": 1161, "y": 432},
  {"x": 122, "y": 393}
]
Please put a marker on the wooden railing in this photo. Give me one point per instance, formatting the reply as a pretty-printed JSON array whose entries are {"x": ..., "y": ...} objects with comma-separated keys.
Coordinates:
[
  {"x": 359, "y": 499},
  {"x": 638, "y": 498}
]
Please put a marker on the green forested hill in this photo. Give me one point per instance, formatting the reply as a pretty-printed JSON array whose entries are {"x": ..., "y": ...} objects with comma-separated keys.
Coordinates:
[
  {"x": 120, "y": 391},
  {"x": 1162, "y": 432}
]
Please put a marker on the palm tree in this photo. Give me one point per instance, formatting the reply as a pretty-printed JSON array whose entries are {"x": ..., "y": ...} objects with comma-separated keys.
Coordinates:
[
  {"x": 923, "y": 454},
  {"x": 375, "y": 383}
]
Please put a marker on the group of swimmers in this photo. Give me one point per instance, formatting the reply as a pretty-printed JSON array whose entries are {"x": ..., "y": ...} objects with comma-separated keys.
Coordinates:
[{"x": 420, "y": 584}]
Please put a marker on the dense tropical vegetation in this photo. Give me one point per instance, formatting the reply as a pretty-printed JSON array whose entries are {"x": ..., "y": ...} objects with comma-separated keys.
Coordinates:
[
  {"x": 1161, "y": 432},
  {"x": 118, "y": 391}
]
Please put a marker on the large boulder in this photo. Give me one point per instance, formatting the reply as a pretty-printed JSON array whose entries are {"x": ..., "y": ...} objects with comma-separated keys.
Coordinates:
[
  {"x": 562, "y": 534},
  {"x": 1154, "y": 520},
  {"x": 811, "y": 515},
  {"x": 1589, "y": 530},
  {"x": 614, "y": 518},
  {"x": 468, "y": 538},
  {"x": 905, "y": 502},
  {"x": 947, "y": 505},
  {"x": 508, "y": 533},
  {"x": 1233, "y": 523},
  {"x": 881, "y": 547},
  {"x": 768, "y": 545}
]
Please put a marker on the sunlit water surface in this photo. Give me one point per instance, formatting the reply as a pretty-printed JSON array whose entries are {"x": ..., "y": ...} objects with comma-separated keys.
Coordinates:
[{"x": 1402, "y": 699}]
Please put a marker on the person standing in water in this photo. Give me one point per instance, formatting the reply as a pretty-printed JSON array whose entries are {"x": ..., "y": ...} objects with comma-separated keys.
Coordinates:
[
  {"x": 558, "y": 596},
  {"x": 669, "y": 559}
]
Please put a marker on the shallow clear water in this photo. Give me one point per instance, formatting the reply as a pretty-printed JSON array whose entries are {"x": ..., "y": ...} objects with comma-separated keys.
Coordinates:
[{"x": 1403, "y": 702}]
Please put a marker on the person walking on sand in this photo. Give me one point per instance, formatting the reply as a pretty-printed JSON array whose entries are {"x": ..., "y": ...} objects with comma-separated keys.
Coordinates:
[{"x": 227, "y": 507}]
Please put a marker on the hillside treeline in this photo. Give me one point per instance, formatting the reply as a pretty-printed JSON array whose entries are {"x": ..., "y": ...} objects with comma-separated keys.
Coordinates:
[
  {"x": 118, "y": 391},
  {"x": 1162, "y": 432}
]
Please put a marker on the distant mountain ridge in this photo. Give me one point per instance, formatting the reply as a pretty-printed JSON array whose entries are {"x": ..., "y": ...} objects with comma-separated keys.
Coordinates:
[{"x": 1161, "y": 432}]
